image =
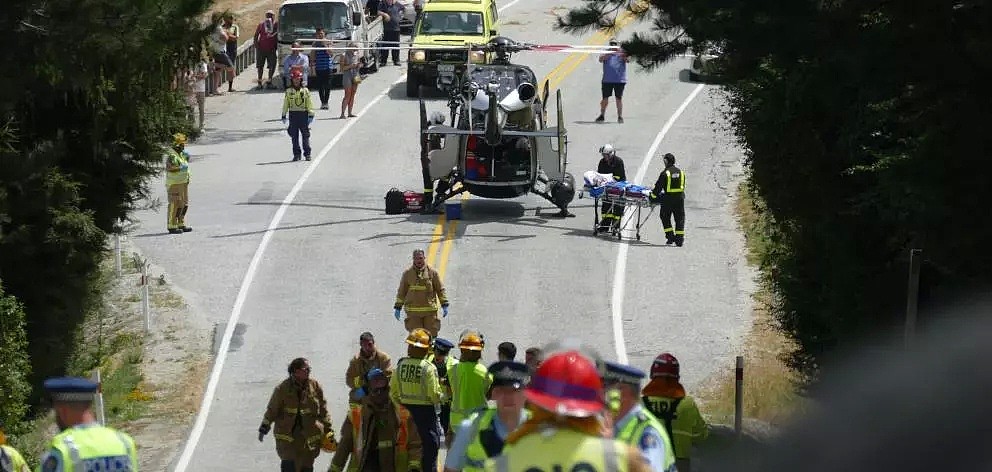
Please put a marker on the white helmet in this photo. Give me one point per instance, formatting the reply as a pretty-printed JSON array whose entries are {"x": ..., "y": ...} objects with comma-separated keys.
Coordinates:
[{"x": 607, "y": 149}]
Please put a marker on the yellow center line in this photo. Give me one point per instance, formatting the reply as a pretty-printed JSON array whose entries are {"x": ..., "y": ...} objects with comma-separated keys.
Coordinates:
[{"x": 558, "y": 74}]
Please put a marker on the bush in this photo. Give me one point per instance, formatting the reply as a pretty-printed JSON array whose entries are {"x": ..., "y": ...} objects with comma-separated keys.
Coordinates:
[{"x": 15, "y": 364}]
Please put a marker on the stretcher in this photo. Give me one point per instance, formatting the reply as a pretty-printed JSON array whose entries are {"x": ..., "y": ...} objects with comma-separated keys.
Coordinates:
[{"x": 631, "y": 198}]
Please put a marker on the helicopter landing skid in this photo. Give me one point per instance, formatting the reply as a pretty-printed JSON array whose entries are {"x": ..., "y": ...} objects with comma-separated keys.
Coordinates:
[
  {"x": 434, "y": 207},
  {"x": 563, "y": 213}
]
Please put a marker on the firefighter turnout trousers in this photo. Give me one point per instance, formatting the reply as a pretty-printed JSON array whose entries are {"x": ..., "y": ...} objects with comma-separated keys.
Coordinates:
[{"x": 673, "y": 204}]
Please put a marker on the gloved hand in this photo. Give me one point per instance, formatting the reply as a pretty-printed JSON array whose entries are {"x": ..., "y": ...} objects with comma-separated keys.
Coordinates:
[
  {"x": 262, "y": 431},
  {"x": 283, "y": 118},
  {"x": 184, "y": 167},
  {"x": 396, "y": 313},
  {"x": 310, "y": 121},
  {"x": 444, "y": 310},
  {"x": 360, "y": 393}
]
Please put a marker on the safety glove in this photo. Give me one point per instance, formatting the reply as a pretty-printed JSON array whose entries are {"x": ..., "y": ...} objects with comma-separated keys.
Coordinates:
[
  {"x": 262, "y": 431},
  {"x": 310, "y": 121},
  {"x": 283, "y": 118},
  {"x": 444, "y": 310},
  {"x": 396, "y": 313}
]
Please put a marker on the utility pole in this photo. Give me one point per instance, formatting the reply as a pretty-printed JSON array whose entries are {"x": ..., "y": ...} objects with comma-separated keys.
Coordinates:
[{"x": 913, "y": 296}]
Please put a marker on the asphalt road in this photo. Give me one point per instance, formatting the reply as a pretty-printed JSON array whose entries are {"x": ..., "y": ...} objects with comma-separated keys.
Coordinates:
[{"x": 329, "y": 269}]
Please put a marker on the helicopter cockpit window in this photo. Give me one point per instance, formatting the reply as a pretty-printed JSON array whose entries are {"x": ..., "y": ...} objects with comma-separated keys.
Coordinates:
[{"x": 451, "y": 23}]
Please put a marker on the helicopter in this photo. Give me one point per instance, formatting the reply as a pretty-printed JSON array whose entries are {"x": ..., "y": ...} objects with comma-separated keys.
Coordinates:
[{"x": 495, "y": 142}]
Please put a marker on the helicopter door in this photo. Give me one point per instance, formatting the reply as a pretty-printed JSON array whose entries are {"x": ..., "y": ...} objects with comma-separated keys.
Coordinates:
[{"x": 551, "y": 150}]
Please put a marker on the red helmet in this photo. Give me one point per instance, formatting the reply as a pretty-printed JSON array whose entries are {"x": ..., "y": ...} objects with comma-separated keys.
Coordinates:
[
  {"x": 296, "y": 73},
  {"x": 665, "y": 365},
  {"x": 567, "y": 383}
]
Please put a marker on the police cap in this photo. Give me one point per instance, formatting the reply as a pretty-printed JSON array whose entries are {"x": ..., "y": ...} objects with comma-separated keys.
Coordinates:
[
  {"x": 614, "y": 372},
  {"x": 509, "y": 374},
  {"x": 442, "y": 346},
  {"x": 71, "y": 389}
]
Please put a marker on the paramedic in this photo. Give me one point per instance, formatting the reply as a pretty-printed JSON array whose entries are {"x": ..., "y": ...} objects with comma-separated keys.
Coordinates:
[
  {"x": 421, "y": 291},
  {"x": 670, "y": 191},
  {"x": 666, "y": 399},
  {"x": 611, "y": 164}
]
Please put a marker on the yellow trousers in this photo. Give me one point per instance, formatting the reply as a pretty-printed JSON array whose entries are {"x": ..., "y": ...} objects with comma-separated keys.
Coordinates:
[{"x": 178, "y": 205}]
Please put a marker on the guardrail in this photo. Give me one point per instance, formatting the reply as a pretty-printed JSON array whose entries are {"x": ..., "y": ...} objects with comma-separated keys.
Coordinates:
[{"x": 245, "y": 57}]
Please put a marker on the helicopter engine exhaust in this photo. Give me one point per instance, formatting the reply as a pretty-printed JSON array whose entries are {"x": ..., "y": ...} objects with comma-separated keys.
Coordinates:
[{"x": 522, "y": 97}]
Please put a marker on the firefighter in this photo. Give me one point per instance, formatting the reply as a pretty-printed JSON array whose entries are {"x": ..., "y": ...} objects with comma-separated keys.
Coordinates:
[
  {"x": 666, "y": 399},
  {"x": 611, "y": 164},
  {"x": 670, "y": 192},
  {"x": 444, "y": 364},
  {"x": 177, "y": 184},
  {"x": 83, "y": 441},
  {"x": 10, "y": 459},
  {"x": 483, "y": 434},
  {"x": 421, "y": 291},
  {"x": 299, "y": 105},
  {"x": 368, "y": 357},
  {"x": 378, "y": 434},
  {"x": 415, "y": 386},
  {"x": 632, "y": 423},
  {"x": 297, "y": 411},
  {"x": 470, "y": 380},
  {"x": 567, "y": 424}
]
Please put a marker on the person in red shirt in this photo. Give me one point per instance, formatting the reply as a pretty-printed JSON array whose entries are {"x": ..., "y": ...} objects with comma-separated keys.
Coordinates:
[{"x": 265, "y": 44}]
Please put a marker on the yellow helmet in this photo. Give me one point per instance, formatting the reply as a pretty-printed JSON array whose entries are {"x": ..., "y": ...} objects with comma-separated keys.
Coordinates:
[
  {"x": 178, "y": 138},
  {"x": 329, "y": 444},
  {"x": 471, "y": 341},
  {"x": 419, "y": 338}
]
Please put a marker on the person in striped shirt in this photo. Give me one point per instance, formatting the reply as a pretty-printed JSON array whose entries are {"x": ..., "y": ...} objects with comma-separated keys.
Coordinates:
[{"x": 322, "y": 64}]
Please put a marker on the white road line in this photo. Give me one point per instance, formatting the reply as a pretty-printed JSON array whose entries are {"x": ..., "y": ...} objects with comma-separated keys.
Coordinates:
[
  {"x": 620, "y": 271},
  {"x": 239, "y": 302}
]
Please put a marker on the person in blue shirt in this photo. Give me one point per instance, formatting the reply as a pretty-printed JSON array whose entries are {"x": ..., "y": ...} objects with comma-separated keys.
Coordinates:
[
  {"x": 322, "y": 64},
  {"x": 614, "y": 80},
  {"x": 632, "y": 423}
]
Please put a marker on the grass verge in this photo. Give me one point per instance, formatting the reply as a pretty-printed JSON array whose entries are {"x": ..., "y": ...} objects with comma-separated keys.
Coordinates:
[
  {"x": 771, "y": 388},
  {"x": 133, "y": 364}
]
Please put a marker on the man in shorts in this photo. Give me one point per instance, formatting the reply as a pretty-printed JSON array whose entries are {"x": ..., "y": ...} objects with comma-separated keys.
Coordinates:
[
  {"x": 266, "y": 42},
  {"x": 614, "y": 80}
]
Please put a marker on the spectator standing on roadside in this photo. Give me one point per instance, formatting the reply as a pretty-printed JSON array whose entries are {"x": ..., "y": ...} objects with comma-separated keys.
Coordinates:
[
  {"x": 391, "y": 11},
  {"x": 198, "y": 91},
  {"x": 218, "y": 45},
  {"x": 233, "y": 32},
  {"x": 295, "y": 60},
  {"x": 350, "y": 78},
  {"x": 322, "y": 65},
  {"x": 614, "y": 80},
  {"x": 266, "y": 41}
]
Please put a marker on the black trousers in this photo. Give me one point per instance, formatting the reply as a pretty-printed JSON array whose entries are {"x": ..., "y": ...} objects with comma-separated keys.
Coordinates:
[
  {"x": 324, "y": 85},
  {"x": 390, "y": 37},
  {"x": 673, "y": 205},
  {"x": 425, "y": 418},
  {"x": 612, "y": 211},
  {"x": 298, "y": 127}
]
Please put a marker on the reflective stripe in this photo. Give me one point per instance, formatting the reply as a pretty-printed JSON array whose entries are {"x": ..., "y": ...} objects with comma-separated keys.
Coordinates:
[
  {"x": 610, "y": 456},
  {"x": 302, "y": 411},
  {"x": 418, "y": 309},
  {"x": 680, "y": 232},
  {"x": 502, "y": 463},
  {"x": 385, "y": 443},
  {"x": 74, "y": 456},
  {"x": 668, "y": 183},
  {"x": 356, "y": 424},
  {"x": 283, "y": 437}
]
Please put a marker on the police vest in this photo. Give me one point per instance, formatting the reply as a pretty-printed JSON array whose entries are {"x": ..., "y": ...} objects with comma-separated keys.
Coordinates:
[
  {"x": 95, "y": 448},
  {"x": 180, "y": 176},
  {"x": 11, "y": 460},
  {"x": 412, "y": 384},
  {"x": 564, "y": 450},
  {"x": 298, "y": 100},
  {"x": 633, "y": 431},
  {"x": 400, "y": 443}
]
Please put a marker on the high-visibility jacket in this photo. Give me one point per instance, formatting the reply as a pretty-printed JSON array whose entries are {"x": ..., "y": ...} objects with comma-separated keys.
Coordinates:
[
  {"x": 180, "y": 168},
  {"x": 12, "y": 460},
  {"x": 394, "y": 431},
  {"x": 470, "y": 382},
  {"x": 670, "y": 182},
  {"x": 444, "y": 372},
  {"x": 485, "y": 443},
  {"x": 562, "y": 449},
  {"x": 633, "y": 434},
  {"x": 297, "y": 100},
  {"x": 415, "y": 383},
  {"x": 93, "y": 447},
  {"x": 681, "y": 419},
  {"x": 420, "y": 291},
  {"x": 298, "y": 413}
]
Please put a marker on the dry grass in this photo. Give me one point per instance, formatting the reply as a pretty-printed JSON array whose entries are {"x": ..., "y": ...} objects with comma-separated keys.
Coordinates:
[
  {"x": 770, "y": 387},
  {"x": 247, "y": 13}
]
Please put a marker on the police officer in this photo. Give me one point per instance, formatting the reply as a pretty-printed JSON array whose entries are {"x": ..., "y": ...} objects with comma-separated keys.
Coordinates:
[
  {"x": 444, "y": 364},
  {"x": 670, "y": 191},
  {"x": 611, "y": 164},
  {"x": 666, "y": 399},
  {"x": 299, "y": 105},
  {"x": 83, "y": 443},
  {"x": 566, "y": 425},
  {"x": 420, "y": 292},
  {"x": 415, "y": 386},
  {"x": 298, "y": 411},
  {"x": 10, "y": 459},
  {"x": 632, "y": 423},
  {"x": 483, "y": 434},
  {"x": 177, "y": 184}
]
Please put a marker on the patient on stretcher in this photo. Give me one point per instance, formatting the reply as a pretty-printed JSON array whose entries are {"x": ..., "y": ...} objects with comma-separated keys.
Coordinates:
[{"x": 597, "y": 184}]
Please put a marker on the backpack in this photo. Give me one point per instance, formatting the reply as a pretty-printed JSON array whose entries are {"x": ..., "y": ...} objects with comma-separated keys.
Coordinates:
[
  {"x": 666, "y": 415},
  {"x": 395, "y": 202}
]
